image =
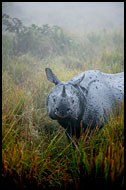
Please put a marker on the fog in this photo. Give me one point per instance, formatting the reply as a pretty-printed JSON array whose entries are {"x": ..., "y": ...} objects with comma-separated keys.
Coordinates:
[{"x": 72, "y": 16}]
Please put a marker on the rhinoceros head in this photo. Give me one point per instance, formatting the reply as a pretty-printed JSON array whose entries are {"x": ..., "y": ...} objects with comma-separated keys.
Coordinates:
[{"x": 65, "y": 99}]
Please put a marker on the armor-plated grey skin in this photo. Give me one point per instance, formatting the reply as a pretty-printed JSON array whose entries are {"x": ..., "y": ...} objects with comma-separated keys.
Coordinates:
[{"x": 88, "y": 97}]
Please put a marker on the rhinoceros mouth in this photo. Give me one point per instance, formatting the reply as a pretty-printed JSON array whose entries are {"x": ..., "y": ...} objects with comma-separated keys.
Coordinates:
[{"x": 61, "y": 116}]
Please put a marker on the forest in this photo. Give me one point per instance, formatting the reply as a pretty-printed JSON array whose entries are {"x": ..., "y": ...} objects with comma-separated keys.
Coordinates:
[{"x": 36, "y": 153}]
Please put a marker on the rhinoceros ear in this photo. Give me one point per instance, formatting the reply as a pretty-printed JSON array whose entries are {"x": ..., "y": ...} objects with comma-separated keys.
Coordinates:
[
  {"x": 78, "y": 81},
  {"x": 51, "y": 77}
]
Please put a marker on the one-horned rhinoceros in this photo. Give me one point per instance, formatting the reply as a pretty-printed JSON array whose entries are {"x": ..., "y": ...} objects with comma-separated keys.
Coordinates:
[{"x": 88, "y": 98}]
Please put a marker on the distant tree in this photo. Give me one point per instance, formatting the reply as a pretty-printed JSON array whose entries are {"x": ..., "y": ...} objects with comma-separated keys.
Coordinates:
[
  {"x": 39, "y": 41},
  {"x": 12, "y": 24}
]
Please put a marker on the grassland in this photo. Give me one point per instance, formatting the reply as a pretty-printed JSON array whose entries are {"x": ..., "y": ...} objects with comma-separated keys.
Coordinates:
[{"x": 35, "y": 150}]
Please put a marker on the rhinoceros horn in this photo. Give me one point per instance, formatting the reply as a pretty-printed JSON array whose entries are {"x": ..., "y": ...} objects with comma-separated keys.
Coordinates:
[{"x": 64, "y": 91}]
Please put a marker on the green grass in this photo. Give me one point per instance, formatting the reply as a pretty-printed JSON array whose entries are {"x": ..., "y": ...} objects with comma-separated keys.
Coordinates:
[
  {"x": 34, "y": 159},
  {"x": 35, "y": 150},
  {"x": 36, "y": 153}
]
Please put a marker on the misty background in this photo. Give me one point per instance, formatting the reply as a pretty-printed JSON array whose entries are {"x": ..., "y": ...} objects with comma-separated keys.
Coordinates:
[
  {"x": 78, "y": 17},
  {"x": 74, "y": 35}
]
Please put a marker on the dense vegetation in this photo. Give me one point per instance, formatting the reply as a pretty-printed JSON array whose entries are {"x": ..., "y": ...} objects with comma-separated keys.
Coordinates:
[{"x": 35, "y": 150}]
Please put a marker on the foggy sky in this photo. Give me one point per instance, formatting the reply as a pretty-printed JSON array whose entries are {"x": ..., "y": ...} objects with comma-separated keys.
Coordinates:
[{"x": 73, "y": 16}]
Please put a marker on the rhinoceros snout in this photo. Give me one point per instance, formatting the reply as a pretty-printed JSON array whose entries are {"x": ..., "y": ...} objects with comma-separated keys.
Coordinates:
[{"x": 62, "y": 113}]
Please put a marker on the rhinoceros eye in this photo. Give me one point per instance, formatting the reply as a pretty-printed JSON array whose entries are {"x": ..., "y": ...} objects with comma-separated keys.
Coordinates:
[
  {"x": 72, "y": 101},
  {"x": 54, "y": 99}
]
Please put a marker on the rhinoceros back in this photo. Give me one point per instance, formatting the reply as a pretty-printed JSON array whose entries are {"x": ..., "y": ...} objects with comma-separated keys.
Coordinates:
[
  {"x": 116, "y": 82},
  {"x": 113, "y": 81},
  {"x": 103, "y": 92}
]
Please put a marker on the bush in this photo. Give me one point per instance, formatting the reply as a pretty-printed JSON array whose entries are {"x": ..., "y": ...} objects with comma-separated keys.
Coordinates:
[{"x": 39, "y": 41}]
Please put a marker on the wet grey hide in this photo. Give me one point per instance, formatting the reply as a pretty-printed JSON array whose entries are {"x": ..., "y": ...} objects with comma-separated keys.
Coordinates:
[{"x": 88, "y": 98}]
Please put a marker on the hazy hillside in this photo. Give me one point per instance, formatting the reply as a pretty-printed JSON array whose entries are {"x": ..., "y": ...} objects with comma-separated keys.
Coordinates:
[{"x": 74, "y": 16}]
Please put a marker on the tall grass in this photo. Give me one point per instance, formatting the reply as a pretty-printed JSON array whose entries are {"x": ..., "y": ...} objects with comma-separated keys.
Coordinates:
[{"x": 35, "y": 150}]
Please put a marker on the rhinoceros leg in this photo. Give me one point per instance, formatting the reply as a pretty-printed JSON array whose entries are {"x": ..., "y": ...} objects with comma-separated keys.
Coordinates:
[{"x": 72, "y": 128}]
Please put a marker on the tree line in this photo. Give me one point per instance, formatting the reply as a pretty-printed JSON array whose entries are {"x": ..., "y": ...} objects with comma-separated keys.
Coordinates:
[{"x": 39, "y": 41}]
